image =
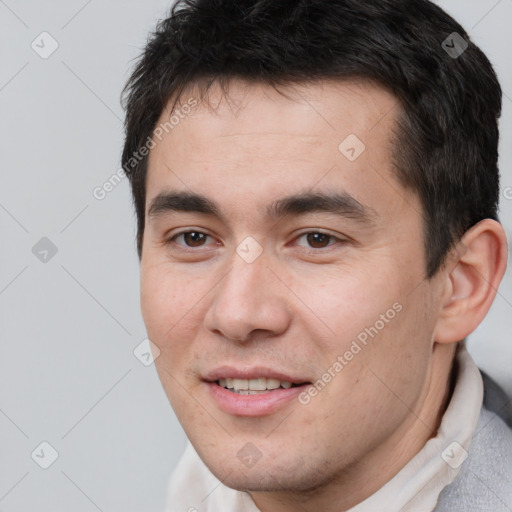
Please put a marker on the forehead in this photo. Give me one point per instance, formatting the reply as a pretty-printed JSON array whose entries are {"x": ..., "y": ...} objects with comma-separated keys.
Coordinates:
[
  {"x": 323, "y": 111},
  {"x": 252, "y": 143}
]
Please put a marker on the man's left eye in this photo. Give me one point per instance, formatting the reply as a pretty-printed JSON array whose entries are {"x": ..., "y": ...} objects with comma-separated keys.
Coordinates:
[{"x": 318, "y": 240}]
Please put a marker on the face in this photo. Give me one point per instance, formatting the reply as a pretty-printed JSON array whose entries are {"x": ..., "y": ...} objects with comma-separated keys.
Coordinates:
[{"x": 283, "y": 260}]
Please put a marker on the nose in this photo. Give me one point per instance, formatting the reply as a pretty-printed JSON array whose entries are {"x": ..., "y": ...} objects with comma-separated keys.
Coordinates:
[{"x": 250, "y": 299}]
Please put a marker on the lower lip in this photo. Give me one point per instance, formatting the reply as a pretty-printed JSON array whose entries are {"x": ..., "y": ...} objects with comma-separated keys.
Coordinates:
[{"x": 262, "y": 404}]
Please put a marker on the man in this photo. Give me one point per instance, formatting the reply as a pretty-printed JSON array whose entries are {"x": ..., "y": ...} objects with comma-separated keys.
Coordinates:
[{"x": 316, "y": 190}]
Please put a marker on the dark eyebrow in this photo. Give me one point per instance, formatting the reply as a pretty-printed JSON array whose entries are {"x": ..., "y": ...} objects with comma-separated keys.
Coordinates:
[
  {"x": 182, "y": 202},
  {"x": 341, "y": 204}
]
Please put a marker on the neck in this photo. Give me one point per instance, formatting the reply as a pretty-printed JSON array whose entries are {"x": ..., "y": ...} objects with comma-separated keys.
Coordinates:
[{"x": 363, "y": 479}]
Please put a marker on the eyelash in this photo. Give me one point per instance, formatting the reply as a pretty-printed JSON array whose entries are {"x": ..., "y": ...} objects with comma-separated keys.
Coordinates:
[{"x": 314, "y": 249}]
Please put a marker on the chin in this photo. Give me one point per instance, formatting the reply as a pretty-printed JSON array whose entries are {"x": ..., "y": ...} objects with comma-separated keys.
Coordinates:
[
  {"x": 264, "y": 481},
  {"x": 289, "y": 481},
  {"x": 277, "y": 473}
]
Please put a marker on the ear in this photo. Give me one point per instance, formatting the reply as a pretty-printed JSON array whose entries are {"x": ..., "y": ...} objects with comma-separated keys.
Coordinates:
[{"x": 471, "y": 281}]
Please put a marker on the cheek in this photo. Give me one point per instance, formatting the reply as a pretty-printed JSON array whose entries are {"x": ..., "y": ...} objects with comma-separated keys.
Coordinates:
[
  {"x": 377, "y": 328},
  {"x": 167, "y": 301},
  {"x": 343, "y": 303},
  {"x": 170, "y": 308},
  {"x": 173, "y": 305}
]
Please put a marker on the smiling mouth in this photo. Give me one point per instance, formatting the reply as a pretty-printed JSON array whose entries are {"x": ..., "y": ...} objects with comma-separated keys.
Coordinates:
[{"x": 255, "y": 386}]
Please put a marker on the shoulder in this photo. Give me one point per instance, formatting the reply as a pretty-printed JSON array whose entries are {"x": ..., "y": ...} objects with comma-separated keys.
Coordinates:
[{"x": 485, "y": 479}]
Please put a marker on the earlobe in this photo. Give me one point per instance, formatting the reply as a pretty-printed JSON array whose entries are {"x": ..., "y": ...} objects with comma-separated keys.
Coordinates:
[{"x": 472, "y": 283}]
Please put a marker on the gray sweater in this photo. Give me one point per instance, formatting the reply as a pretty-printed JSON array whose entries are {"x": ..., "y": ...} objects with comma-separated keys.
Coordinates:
[{"x": 484, "y": 483}]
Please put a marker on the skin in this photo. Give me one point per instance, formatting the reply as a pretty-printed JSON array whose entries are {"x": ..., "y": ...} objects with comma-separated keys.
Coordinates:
[{"x": 300, "y": 305}]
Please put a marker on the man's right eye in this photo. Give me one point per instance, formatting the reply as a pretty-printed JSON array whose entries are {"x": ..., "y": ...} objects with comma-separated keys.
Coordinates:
[{"x": 190, "y": 238}]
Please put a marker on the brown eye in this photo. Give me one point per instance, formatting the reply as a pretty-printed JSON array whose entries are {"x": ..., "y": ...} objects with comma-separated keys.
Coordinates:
[
  {"x": 189, "y": 239},
  {"x": 318, "y": 240},
  {"x": 194, "y": 238}
]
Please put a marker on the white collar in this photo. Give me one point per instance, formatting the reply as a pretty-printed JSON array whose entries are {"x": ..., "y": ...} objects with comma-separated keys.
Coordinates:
[{"x": 416, "y": 488}]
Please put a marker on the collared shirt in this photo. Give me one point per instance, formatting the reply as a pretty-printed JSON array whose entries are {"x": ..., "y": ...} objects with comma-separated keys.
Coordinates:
[{"x": 415, "y": 488}]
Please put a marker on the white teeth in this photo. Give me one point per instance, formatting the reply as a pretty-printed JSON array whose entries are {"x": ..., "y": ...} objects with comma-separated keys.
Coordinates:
[
  {"x": 253, "y": 386},
  {"x": 257, "y": 384},
  {"x": 240, "y": 384},
  {"x": 273, "y": 383}
]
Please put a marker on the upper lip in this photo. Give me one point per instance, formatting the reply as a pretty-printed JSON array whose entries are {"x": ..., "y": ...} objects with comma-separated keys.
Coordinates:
[{"x": 253, "y": 372}]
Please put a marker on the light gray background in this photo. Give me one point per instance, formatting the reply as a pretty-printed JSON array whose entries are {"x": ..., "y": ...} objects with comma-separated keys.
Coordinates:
[{"x": 69, "y": 326}]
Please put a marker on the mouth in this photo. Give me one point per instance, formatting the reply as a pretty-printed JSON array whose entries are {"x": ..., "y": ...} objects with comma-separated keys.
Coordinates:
[
  {"x": 252, "y": 392},
  {"x": 258, "y": 386}
]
